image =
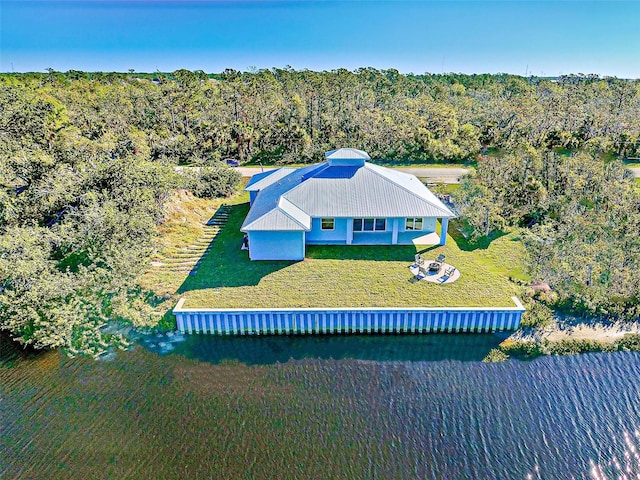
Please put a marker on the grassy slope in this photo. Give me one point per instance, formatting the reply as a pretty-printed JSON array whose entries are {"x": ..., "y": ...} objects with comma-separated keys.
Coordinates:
[
  {"x": 185, "y": 216},
  {"x": 333, "y": 275}
]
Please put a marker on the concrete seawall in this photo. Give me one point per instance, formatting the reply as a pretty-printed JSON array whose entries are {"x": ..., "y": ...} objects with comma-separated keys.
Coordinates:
[{"x": 285, "y": 321}]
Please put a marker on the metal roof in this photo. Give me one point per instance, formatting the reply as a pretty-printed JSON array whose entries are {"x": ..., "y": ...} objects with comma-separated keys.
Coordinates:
[
  {"x": 324, "y": 190},
  {"x": 268, "y": 199},
  {"x": 274, "y": 220},
  {"x": 346, "y": 154},
  {"x": 263, "y": 179}
]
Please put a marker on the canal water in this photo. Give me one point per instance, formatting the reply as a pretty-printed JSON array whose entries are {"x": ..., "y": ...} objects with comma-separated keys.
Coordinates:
[{"x": 345, "y": 407}]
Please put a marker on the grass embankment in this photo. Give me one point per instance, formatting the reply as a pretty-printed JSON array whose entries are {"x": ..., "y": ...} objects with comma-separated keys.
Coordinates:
[
  {"x": 330, "y": 276},
  {"x": 185, "y": 216}
]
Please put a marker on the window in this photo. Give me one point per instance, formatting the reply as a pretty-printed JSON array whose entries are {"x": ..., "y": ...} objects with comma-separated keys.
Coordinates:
[
  {"x": 327, "y": 223},
  {"x": 369, "y": 224},
  {"x": 413, "y": 224}
]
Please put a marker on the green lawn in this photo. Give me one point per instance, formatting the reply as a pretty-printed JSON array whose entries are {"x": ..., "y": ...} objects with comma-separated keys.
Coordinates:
[{"x": 349, "y": 276}]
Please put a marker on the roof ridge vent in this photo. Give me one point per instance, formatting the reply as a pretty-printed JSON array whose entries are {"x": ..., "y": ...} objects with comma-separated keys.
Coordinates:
[{"x": 347, "y": 156}]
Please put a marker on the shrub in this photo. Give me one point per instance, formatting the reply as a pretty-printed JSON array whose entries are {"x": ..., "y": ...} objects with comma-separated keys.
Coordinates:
[
  {"x": 537, "y": 315},
  {"x": 630, "y": 342},
  {"x": 574, "y": 346},
  {"x": 215, "y": 182},
  {"x": 495, "y": 355},
  {"x": 521, "y": 348}
]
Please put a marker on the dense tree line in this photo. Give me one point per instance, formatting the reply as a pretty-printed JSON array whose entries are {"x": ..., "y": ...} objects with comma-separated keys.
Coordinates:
[
  {"x": 295, "y": 116},
  {"x": 582, "y": 223},
  {"x": 86, "y": 160},
  {"x": 78, "y": 216}
]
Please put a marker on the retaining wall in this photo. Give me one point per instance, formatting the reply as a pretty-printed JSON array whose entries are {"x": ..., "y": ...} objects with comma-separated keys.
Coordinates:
[{"x": 277, "y": 321}]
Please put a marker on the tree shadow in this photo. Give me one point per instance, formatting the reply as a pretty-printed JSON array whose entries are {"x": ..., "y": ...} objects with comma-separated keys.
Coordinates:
[{"x": 466, "y": 245}]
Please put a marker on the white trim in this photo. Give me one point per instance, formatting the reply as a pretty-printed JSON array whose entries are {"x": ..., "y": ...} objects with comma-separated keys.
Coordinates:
[
  {"x": 333, "y": 224},
  {"x": 518, "y": 308}
]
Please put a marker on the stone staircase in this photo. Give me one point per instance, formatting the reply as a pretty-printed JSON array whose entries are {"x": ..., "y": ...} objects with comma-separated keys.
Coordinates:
[{"x": 188, "y": 259}]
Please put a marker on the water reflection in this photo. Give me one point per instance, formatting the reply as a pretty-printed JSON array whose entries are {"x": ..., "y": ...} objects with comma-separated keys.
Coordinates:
[
  {"x": 267, "y": 350},
  {"x": 625, "y": 466},
  {"x": 326, "y": 414}
]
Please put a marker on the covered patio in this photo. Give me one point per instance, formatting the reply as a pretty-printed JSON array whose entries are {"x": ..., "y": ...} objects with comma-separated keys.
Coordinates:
[{"x": 418, "y": 238}]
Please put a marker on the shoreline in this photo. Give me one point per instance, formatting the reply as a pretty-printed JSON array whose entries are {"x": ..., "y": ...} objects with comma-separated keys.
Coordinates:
[
  {"x": 576, "y": 330},
  {"x": 568, "y": 338}
]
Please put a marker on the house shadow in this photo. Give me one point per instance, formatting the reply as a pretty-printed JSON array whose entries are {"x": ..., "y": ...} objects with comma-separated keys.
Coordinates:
[
  {"x": 271, "y": 349},
  {"x": 226, "y": 264},
  {"x": 382, "y": 253}
]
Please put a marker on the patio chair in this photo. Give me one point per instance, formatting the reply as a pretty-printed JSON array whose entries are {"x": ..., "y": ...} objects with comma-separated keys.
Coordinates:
[
  {"x": 419, "y": 260},
  {"x": 440, "y": 258},
  {"x": 417, "y": 271}
]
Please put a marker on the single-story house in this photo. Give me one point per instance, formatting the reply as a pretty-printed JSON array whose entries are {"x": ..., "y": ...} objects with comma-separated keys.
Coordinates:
[{"x": 343, "y": 201}]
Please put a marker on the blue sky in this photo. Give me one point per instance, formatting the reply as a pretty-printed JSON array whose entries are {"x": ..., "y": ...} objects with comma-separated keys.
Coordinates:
[{"x": 541, "y": 38}]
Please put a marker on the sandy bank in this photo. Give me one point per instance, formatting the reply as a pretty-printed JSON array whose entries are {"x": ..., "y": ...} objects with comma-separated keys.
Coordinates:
[{"x": 602, "y": 332}]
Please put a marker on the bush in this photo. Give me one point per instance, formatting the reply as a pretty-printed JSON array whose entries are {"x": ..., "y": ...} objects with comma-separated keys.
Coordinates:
[
  {"x": 630, "y": 342},
  {"x": 495, "y": 355},
  {"x": 537, "y": 315},
  {"x": 215, "y": 182},
  {"x": 575, "y": 346},
  {"x": 521, "y": 348}
]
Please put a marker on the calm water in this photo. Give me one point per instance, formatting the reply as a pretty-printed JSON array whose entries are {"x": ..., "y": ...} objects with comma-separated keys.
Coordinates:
[{"x": 319, "y": 407}]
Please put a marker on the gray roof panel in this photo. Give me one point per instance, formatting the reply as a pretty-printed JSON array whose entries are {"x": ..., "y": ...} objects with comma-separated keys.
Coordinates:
[
  {"x": 347, "y": 154},
  {"x": 262, "y": 180},
  {"x": 323, "y": 190},
  {"x": 268, "y": 199},
  {"x": 366, "y": 192},
  {"x": 274, "y": 220}
]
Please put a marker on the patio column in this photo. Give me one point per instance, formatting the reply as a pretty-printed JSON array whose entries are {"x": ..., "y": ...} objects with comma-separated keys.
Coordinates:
[
  {"x": 394, "y": 231},
  {"x": 349, "y": 231},
  {"x": 444, "y": 223}
]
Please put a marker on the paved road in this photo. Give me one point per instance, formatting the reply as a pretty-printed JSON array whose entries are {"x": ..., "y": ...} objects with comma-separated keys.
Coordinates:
[{"x": 444, "y": 175}]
